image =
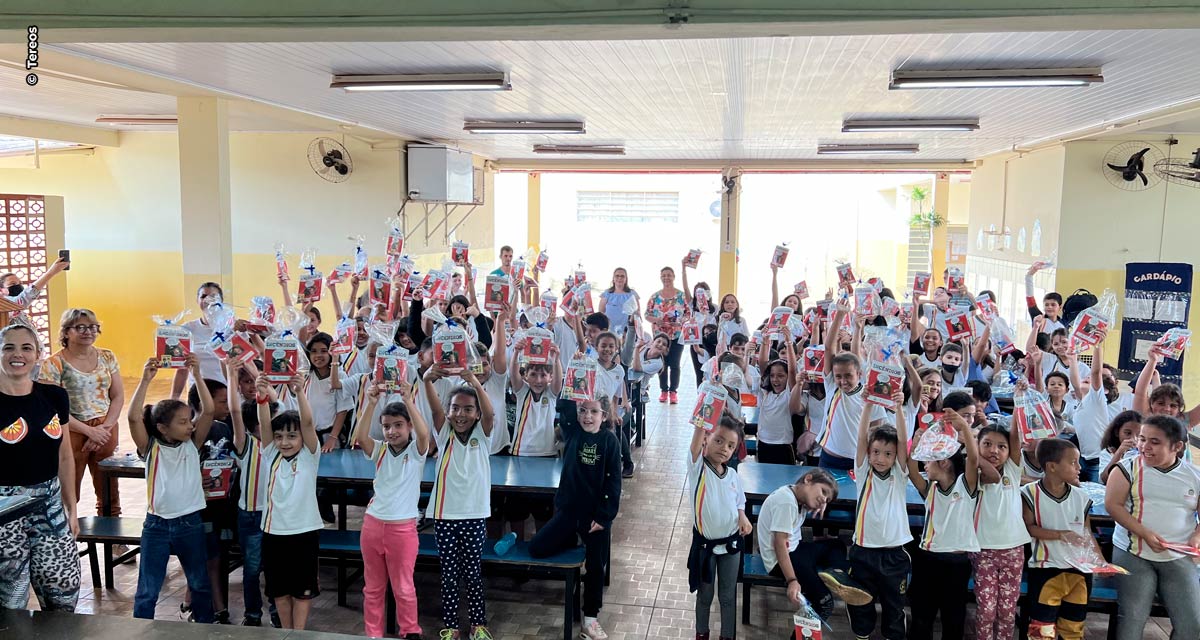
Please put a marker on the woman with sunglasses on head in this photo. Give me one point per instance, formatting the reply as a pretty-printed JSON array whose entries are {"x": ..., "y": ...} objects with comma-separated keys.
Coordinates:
[{"x": 92, "y": 379}]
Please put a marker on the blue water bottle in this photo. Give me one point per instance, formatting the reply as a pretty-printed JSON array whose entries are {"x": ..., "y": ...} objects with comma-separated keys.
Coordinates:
[{"x": 504, "y": 544}]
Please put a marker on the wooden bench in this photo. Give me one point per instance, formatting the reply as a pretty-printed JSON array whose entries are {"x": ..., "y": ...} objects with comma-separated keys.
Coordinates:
[
  {"x": 343, "y": 546},
  {"x": 107, "y": 531}
]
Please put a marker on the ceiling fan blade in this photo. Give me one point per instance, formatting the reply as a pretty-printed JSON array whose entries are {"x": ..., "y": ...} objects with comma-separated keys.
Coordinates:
[
  {"x": 1115, "y": 167},
  {"x": 1145, "y": 182}
]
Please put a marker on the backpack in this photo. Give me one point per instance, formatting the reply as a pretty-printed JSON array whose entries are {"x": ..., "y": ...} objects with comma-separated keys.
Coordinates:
[{"x": 1076, "y": 303}]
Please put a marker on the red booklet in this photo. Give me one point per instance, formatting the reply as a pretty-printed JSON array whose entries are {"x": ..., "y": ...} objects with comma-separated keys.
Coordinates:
[
  {"x": 172, "y": 344},
  {"x": 216, "y": 478},
  {"x": 281, "y": 359},
  {"x": 391, "y": 371},
  {"x": 883, "y": 380}
]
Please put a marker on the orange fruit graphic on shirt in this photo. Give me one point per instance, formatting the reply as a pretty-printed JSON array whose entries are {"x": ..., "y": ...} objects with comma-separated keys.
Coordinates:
[
  {"x": 54, "y": 428},
  {"x": 14, "y": 432}
]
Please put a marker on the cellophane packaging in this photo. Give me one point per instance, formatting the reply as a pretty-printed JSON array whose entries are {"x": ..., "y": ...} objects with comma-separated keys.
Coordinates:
[
  {"x": 778, "y": 322},
  {"x": 310, "y": 286},
  {"x": 395, "y": 238},
  {"x": 345, "y": 332},
  {"x": 496, "y": 293},
  {"x": 921, "y": 284},
  {"x": 845, "y": 273},
  {"x": 450, "y": 347},
  {"x": 580, "y": 382},
  {"x": 692, "y": 259},
  {"x": 711, "y": 399},
  {"x": 1093, "y": 322},
  {"x": 381, "y": 285},
  {"x": 281, "y": 351},
  {"x": 814, "y": 363},
  {"x": 1174, "y": 342},
  {"x": 281, "y": 268},
  {"x": 1033, "y": 416},
  {"x": 958, "y": 324},
  {"x": 460, "y": 253},
  {"x": 779, "y": 256},
  {"x": 866, "y": 301},
  {"x": 801, "y": 289},
  {"x": 883, "y": 379},
  {"x": 172, "y": 342}
]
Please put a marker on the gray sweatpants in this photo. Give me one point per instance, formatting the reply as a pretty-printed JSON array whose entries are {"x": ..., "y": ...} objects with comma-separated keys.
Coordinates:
[
  {"x": 1175, "y": 582},
  {"x": 726, "y": 590}
]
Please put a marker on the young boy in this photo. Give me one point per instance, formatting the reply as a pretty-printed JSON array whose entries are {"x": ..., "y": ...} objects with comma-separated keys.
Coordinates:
[
  {"x": 1052, "y": 302},
  {"x": 610, "y": 383},
  {"x": 537, "y": 388},
  {"x": 844, "y": 401},
  {"x": 1056, "y": 514},
  {"x": 877, "y": 558}
]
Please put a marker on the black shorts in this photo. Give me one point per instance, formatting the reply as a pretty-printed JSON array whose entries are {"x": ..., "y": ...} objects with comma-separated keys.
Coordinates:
[
  {"x": 290, "y": 564},
  {"x": 519, "y": 506}
]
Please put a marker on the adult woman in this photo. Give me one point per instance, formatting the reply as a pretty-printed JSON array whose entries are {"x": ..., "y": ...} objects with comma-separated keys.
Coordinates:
[
  {"x": 613, "y": 299},
  {"x": 665, "y": 311},
  {"x": 210, "y": 365},
  {"x": 35, "y": 461},
  {"x": 92, "y": 379}
]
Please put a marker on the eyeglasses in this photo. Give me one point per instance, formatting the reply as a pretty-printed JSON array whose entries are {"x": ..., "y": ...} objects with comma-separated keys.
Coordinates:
[{"x": 87, "y": 328}]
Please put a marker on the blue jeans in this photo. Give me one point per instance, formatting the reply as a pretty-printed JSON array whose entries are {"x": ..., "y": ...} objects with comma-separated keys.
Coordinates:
[
  {"x": 182, "y": 537},
  {"x": 1089, "y": 470},
  {"x": 837, "y": 463},
  {"x": 1174, "y": 582},
  {"x": 250, "y": 539}
]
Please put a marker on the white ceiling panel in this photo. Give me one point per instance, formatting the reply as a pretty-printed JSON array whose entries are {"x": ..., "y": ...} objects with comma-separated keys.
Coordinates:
[{"x": 761, "y": 98}]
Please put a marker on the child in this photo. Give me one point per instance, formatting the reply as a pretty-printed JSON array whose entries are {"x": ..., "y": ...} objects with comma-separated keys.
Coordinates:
[
  {"x": 1052, "y": 301},
  {"x": 877, "y": 557},
  {"x": 775, "y": 439},
  {"x": 1119, "y": 441},
  {"x": 1096, "y": 408},
  {"x": 845, "y": 403},
  {"x": 167, "y": 436},
  {"x": 1164, "y": 399},
  {"x": 610, "y": 383},
  {"x": 460, "y": 502},
  {"x": 1056, "y": 515},
  {"x": 718, "y": 524},
  {"x": 220, "y": 512},
  {"x": 1153, "y": 501},
  {"x": 252, "y": 495},
  {"x": 585, "y": 504},
  {"x": 1001, "y": 534},
  {"x": 324, "y": 391},
  {"x": 494, "y": 380},
  {"x": 536, "y": 389},
  {"x": 291, "y": 524},
  {"x": 389, "y": 529},
  {"x": 940, "y": 566}
]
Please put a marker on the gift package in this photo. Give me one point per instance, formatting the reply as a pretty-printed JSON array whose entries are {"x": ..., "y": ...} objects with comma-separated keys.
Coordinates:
[
  {"x": 958, "y": 324},
  {"x": 345, "y": 333},
  {"x": 779, "y": 256},
  {"x": 845, "y": 274},
  {"x": 921, "y": 284},
  {"x": 692, "y": 259},
  {"x": 778, "y": 322},
  {"x": 935, "y": 444},
  {"x": 814, "y": 363},
  {"x": 1033, "y": 416},
  {"x": 395, "y": 238},
  {"x": 219, "y": 476},
  {"x": 954, "y": 279},
  {"x": 496, "y": 293},
  {"x": 460, "y": 253},
  {"x": 690, "y": 332},
  {"x": 310, "y": 286},
  {"x": 172, "y": 342},
  {"x": 262, "y": 314},
  {"x": 1003, "y": 336},
  {"x": 1093, "y": 322},
  {"x": 801, "y": 289},
  {"x": 450, "y": 347},
  {"x": 986, "y": 307},
  {"x": 866, "y": 301},
  {"x": 381, "y": 285},
  {"x": 391, "y": 369},
  {"x": 1174, "y": 342},
  {"x": 580, "y": 380},
  {"x": 711, "y": 399},
  {"x": 226, "y": 344},
  {"x": 361, "y": 269},
  {"x": 281, "y": 268},
  {"x": 535, "y": 347},
  {"x": 542, "y": 259},
  {"x": 883, "y": 379},
  {"x": 281, "y": 351}
]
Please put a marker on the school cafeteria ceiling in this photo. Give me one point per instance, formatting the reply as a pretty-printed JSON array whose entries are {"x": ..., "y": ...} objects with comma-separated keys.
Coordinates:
[{"x": 765, "y": 98}]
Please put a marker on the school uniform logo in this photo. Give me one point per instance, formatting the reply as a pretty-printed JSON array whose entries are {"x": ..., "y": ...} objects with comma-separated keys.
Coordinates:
[
  {"x": 15, "y": 432},
  {"x": 474, "y": 442},
  {"x": 54, "y": 428},
  {"x": 956, "y": 496},
  {"x": 1006, "y": 481}
]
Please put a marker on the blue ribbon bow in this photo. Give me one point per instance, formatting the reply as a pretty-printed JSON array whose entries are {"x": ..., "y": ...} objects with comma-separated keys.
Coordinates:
[{"x": 312, "y": 269}]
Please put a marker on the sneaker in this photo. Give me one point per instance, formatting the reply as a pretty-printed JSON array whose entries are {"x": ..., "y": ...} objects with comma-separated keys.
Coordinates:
[
  {"x": 221, "y": 617},
  {"x": 592, "y": 631},
  {"x": 119, "y": 550},
  {"x": 674, "y": 398},
  {"x": 413, "y": 636},
  {"x": 824, "y": 608},
  {"x": 627, "y": 470},
  {"x": 662, "y": 397},
  {"x": 480, "y": 632},
  {"x": 448, "y": 634},
  {"x": 185, "y": 612},
  {"x": 275, "y": 621},
  {"x": 252, "y": 622},
  {"x": 701, "y": 636},
  {"x": 844, "y": 587}
]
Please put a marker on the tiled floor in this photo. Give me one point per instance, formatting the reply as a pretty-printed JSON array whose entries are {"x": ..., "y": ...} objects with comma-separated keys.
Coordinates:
[{"x": 648, "y": 596}]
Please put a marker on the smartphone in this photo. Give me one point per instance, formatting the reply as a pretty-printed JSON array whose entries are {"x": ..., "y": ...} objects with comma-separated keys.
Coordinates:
[{"x": 65, "y": 254}]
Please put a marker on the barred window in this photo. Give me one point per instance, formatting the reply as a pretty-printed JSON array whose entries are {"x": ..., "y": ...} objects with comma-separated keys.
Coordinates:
[{"x": 627, "y": 206}]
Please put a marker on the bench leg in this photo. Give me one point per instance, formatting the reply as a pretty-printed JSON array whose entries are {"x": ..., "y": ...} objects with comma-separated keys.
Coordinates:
[
  {"x": 342, "y": 587},
  {"x": 1112, "y": 625},
  {"x": 572, "y": 577},
  {"x": 745, "y": 603},
  {"x": 108, "y": 566},
  {"x": 94, "y": 563}
]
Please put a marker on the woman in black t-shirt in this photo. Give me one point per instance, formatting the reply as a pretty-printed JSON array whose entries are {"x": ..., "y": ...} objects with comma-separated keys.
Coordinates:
[{"x": 35, "y": 461}]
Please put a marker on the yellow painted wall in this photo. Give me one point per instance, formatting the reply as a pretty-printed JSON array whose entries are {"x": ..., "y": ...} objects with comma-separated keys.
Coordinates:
[
  {"x": 1106, "y": 227},
  {"x": 122, "y": 223}
]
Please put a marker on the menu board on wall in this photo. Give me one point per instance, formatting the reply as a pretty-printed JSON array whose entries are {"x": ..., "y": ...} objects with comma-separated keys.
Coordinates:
[{"x": 1158, "y": 296}]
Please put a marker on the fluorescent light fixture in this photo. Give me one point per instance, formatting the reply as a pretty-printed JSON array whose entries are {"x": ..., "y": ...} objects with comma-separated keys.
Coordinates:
[
  {"x": 525, "y": 126},
  {"x": 991, "y": 78},
  {"x": 865, "y": 149},
  {"x": 597, "y": 149},
  {"x": 423, "y": 82},
  {"x": 139, "y": 120},
  {"x": 871, "y": 126}
]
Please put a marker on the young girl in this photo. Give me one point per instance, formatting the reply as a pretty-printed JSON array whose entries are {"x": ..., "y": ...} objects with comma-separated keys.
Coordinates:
[
  {"x": 1119, "y": 441},
  {"x": 389, "y": 529},
  {"x": 461, "y": 499},
  {"x": 1152, "y": 498},
  {"x": 585, "y": 504},
  {"x": 1001, "y": 533},
  {"x": 940, "y": 567},
  {"x": 718, "y": 524},
  {"x": 775, "y": 439},
  {"x": 291, "y": 524},
  {"x": 167, "y": 436},
  {"x": 323, "y": 388}
]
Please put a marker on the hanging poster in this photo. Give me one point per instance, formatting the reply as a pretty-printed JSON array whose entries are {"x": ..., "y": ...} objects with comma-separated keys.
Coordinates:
[{"x": 1158, "y": 296}]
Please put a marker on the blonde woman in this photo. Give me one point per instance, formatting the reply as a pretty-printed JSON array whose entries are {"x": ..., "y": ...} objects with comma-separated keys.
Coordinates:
[{"x": 92, "y": 380}]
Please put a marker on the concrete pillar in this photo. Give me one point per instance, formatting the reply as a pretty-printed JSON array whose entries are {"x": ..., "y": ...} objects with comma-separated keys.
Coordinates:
[
  {"x": 731, "y": 195},
  {"x": 204, "y": 193},
  {"x": 533, "y": 218},
  {"x": 941, "y": 205}
]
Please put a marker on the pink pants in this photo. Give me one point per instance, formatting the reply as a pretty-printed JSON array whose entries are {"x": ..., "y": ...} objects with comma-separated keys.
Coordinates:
[
  {"x": 389, "y": 552},
  {"x": 997, "y": 588}
]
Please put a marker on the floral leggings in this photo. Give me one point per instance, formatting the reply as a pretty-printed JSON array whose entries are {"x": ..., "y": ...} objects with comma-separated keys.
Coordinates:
[
  {"x": 997, "y": 588},
  {"x": 38, "y": 548}
]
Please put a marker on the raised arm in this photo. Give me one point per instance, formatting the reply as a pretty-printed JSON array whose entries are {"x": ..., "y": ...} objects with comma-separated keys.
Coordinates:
[
  {"x": 831, "y": 338},
  {"x": 436, "y": 411},
  {"x": 979, "y": 349},
  {"x": 262, "y": 389},
  {"x": 56, "y": 268},
  {"x": 499, "y": 352},
  {"x": 235, "y": 406},
  {"x": 1073, "y": 375},
  {"x": 469, "y": 283},
  {"x": 789, "y": 357},
  {"x": 914, "y": 469},
  {"x": 366, "y": 413},
  {"x": 687, "y": 290},
  {"x": 203, "y": 421},
  {"x": 138, "y": 429},
  {"x": 486, "y": 414},
  {"x": 971, "y": 474},
  {"x": 901, "y": 428},
  {"x": 420, "y": 429},
  {"x": 774, "y": 287},
  {"x": 337, "y": 303},
  {"x": 1141, "y": 390},
  {"x": 863, "y": 423},
  {"x": 308, "y": 428},
  {"x": 556, "y": 372},
  {"x": 287, "y": 295},
  {"x": 1030, "y": 299}
]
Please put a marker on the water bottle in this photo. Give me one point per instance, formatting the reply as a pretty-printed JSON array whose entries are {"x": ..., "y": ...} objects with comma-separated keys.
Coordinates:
[{"x": 504, "y": 544}]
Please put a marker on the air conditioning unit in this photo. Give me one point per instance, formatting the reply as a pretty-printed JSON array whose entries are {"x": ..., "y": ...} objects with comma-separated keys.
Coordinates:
[{"x": 440, "y": 174}]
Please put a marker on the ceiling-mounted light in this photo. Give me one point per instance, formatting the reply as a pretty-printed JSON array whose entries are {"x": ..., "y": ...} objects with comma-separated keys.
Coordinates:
[
  {"x": 911, "y": 124},
  {"x": 866, "y": 149},
  {"x": 139, "y": 120},
  {"x": 423, "y": 82},
  {"x": 990, "y": 78},
  {"x": 522, "y": 126},
  {"x": 597, "y": 149}
]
